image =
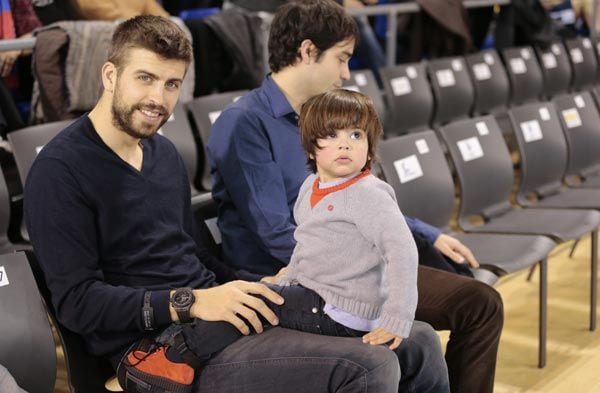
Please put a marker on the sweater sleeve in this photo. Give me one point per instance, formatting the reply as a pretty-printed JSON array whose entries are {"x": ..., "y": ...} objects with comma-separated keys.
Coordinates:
[
  {"x": 379, "y": 220},
  {"x": 62, "y": 228}
]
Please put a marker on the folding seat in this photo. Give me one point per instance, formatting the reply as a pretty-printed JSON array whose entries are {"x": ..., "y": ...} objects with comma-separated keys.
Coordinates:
[
  {"x": 492, "y": 89},
  {"x": 364, "y": 81},
  {"x": 205, "y": 110},
  {"x": 26, "y": 144},
  {"x": 453, "y": 90},
  {"x": 539, "y": 136},
  {"x": 580, "y": 120},
  {"x": 207, "y": 232},
  {"x": 29, "y": 141},
  {"x": 524, "y": 74},
  {"x": 409, "y": 98},
  {"x": 5, "y": 216},
  {"x": 85, "y": 373},
  {"x": 27, "y": 347},
  {"x": 583, "y": 62},
  {"x": 415, "y": 166},
  {"x": 556, "y": 69},
  {"x": 178, "y": 130},
  {"x": 484, "y": 169}
]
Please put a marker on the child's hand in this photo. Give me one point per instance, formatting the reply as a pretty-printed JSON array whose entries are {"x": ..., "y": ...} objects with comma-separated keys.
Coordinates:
[
  {"x": 274, "y": 279},
  {"x": 380, "y": 336}
]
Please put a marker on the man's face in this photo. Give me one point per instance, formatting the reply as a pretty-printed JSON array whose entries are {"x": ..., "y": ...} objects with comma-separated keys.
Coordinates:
[
  {"x": 145, "y": 92},
  {"x": 331, "y": 69}
]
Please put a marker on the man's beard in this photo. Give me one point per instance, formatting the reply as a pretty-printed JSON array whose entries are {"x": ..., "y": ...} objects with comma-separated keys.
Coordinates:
[{"x": 122, "y": 117}]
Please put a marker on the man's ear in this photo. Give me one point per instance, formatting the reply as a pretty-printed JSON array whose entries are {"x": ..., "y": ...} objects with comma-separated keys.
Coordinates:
[
  {"x": 109, "y": 76},
  {"x": 308, "y": 51}
]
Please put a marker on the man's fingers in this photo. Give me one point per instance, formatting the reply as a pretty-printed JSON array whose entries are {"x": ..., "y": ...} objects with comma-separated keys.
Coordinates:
[
  {"x": 238, "y": 323},
  {"x": 261, "y": 307},
  {"x": 263, "y": 290},
  {"x": 250, "y": 316}
]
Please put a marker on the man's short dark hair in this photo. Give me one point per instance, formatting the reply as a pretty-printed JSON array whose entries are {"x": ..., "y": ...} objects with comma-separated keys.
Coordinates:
[
  {"x": 324, "y": 22},
  {"x": 335, "y": 110},
  {"x": 154, "y": 33}
]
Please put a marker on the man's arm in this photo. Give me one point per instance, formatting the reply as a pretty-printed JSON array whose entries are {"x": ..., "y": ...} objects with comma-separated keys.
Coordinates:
[{"x": 240, "y": 152}]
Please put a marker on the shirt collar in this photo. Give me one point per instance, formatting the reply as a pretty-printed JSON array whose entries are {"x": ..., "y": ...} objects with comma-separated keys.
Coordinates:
[{"x": 278, "y": 103}]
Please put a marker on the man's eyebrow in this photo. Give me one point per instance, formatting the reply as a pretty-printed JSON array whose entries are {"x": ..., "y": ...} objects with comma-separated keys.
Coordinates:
[
  {"x": 154, "y": 76},
  {"x": 142, "y": 71}
]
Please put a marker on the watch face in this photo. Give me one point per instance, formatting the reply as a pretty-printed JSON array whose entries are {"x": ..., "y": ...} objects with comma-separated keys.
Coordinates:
[{"x": 183, "y": 298}]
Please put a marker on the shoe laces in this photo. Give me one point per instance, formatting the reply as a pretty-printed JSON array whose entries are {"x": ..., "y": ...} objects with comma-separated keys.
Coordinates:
[{"x": 154, "y": 347}]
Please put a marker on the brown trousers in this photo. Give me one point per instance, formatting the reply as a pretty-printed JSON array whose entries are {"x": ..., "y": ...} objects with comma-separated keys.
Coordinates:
[{"x": 473, "y": 313}]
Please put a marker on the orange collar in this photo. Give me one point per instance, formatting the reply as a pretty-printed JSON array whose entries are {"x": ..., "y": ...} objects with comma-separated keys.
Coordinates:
[{"x": 320, "y": 193}]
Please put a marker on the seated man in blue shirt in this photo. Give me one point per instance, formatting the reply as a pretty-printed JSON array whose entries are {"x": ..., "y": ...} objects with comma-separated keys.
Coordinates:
[{"x": 258, "y": 165}]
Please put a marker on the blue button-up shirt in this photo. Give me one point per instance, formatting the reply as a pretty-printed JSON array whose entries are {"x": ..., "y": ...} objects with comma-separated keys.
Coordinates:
[{"x": 258, "y": 165}]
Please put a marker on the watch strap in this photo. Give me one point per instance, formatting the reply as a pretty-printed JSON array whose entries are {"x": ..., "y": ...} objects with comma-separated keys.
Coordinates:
[{"x": 148, "y": 312}]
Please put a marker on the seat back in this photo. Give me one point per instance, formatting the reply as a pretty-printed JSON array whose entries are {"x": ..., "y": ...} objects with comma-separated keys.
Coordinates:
[
  {"x": 539, "y": 136},
  {"x": 27, "y": 347},
  {"x": 583, "y": 62},
  {"x": 556, "y": 69},
  {"x": 85, "y": 373},
  {"x": 580, "y": 120},
  {"x": 29, "y": 141},
  {"x": 524, "y": 73},
  {"x": 453, "y": 90},
  {"x": 178, "y": 130},
  {"x": 484, "y": 167},
  {"x": 492, "y": 89},
  {"x": 364, "y": 81},
  {"x": 409, "y": 98},
  {"x": 204, "y": 111},
  {"x": 205, "y": 220},
  {"x": 4, "y": 214},
  {"x": 415, "y": 166}
]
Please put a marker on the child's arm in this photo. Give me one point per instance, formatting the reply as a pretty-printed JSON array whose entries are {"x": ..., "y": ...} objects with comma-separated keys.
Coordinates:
[{"x": 380, "y": 221}]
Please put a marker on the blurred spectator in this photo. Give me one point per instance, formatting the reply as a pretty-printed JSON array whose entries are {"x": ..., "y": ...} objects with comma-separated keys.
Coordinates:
[
  {"x": 368, "y": 51},
  {"x": 18, "y": 20},
  {"x": 117, "y": 9}
]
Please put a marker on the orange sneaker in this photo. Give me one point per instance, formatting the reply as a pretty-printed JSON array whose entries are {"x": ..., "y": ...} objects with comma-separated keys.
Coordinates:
[{"x": 150, "y": 370}]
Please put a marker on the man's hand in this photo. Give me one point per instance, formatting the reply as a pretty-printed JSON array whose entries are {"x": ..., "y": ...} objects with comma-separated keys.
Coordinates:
[
  {"x": 455, "y": 250},
  {"x": 380, "y": 336},
  {"x": 229, "y": 302},
  {"x": 274, "y": 279}
]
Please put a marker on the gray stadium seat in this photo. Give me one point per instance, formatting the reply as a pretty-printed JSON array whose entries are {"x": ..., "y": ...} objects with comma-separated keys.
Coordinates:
[
  {"x": 415, "y": 166},
  {"x": 409, "y": 98},
  {"x": 453, "y": 90},
  {"x": 27, "y": 348},
  {"x": 205, "y": 110}
]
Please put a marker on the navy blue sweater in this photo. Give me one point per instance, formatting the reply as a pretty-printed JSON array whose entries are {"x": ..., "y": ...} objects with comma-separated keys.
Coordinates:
[{"x": 105, "y": 233}]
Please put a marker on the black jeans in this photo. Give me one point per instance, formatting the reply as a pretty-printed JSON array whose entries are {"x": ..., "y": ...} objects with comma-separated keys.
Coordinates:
[
  {"x": 302, "y": 310},
  {"x": 288, "y": 360}
]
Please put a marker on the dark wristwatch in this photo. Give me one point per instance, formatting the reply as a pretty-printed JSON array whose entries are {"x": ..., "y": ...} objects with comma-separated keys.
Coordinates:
[{"x": 182, "y": 301}]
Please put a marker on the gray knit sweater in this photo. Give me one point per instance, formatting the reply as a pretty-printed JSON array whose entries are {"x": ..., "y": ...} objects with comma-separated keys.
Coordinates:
[{"x": 355, "y": 250}]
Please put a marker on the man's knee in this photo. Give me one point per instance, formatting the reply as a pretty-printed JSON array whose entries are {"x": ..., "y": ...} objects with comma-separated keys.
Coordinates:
[{"x": 486, "y": 303}]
